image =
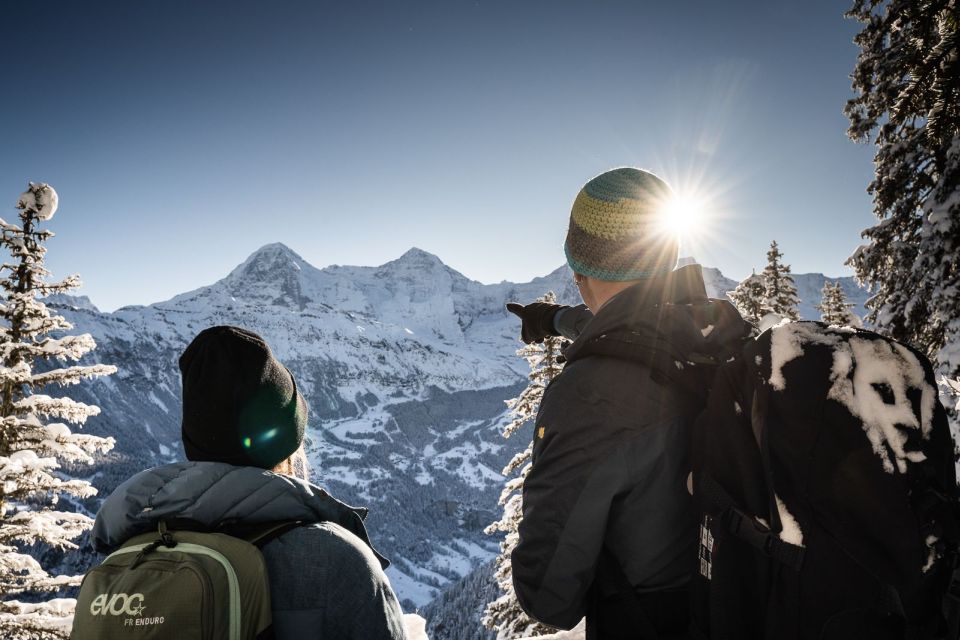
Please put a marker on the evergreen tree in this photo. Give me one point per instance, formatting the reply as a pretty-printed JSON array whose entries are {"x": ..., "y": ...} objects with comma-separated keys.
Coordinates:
[
  {"x": 749, "y": 297},
  {"x": 30, "y": 449},
  {"x": 504, "y": 614},
  {"x": 907, "y": 94},
  {"x": 779, "y": 290},
  {"x": 834, "y": 308}
]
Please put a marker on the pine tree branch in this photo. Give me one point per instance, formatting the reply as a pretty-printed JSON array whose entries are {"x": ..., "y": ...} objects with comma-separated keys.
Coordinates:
[{"x": 70, "y": 375}]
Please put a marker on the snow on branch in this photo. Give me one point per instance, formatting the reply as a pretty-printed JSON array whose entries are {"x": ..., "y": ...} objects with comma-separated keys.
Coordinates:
[
  {"x": 21, "y": 573},
  {"x": 67, "y": 284},
  {"x": 70, "y": 347},
  {"x": 28, "y": 621},
  {"x": 69, "y": 375},
  {"x": 73, "y": 347},
  {"x": 22, "y": 463},
  {"x": 8, "y": 227},
  {"x": 26, "y": 478},
  {"x": 58, "y": 529},
  {"x": 53, "y": 440},
  {"x": 72, "y": 447},
  {"x": 18, "y": 374},
  {"x": 65, "y": 408}
]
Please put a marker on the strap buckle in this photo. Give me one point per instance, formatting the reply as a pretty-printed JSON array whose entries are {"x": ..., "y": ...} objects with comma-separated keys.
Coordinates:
[{"x": 759, "y": 536}]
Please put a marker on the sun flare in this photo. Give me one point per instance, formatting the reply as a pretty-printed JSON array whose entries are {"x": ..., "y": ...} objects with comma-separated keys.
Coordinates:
[{"x": 682, "y": 215}]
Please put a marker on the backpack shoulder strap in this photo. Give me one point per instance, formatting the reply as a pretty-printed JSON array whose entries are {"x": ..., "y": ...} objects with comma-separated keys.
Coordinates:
[{"x": 759, "y": 409}]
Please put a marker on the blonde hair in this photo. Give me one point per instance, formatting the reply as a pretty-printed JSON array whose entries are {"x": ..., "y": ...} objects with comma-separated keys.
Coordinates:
[{"x": 295, "y": 466}]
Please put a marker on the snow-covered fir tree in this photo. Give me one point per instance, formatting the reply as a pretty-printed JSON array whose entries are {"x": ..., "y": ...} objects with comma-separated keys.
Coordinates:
[
  {"x": 749, "y": 298},
  {"x": 504, "y": 614},
  {"x": 31, "y": 449},
  {"x": 908, "y": 97},
  {"x": 833, "y": 307},
  {"x": 779, "y": 290}
]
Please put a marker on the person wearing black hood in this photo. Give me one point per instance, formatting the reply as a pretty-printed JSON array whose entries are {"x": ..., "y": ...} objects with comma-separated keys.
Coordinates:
[
  {"x": 243, "y": 428},
  {"x": 608, "y": 529}
]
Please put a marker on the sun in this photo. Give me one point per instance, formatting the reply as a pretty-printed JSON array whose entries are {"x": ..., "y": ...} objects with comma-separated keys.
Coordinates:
[{"x": 682, "y": 215}]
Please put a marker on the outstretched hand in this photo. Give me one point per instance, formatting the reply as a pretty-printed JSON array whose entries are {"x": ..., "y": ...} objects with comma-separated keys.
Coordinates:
[{"x": 537, "y": 320}]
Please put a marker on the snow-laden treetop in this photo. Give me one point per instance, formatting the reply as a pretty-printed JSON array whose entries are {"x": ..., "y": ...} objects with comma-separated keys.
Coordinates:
[{"x": 39, "y": 198}]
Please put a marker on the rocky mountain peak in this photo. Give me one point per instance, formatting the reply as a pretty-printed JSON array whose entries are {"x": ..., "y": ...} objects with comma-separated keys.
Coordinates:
[
  {"x": 275, "y": 258},
  {"x": 275, "y": 272},
  {"x": 414, "y": 260}
]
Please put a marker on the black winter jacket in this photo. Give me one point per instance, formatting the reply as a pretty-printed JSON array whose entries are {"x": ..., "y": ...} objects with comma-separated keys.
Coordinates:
[{"x": 608, "y": 529}]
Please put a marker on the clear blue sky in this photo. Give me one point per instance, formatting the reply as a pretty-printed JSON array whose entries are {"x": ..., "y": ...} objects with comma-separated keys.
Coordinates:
[{"x": 181, "y": 136}]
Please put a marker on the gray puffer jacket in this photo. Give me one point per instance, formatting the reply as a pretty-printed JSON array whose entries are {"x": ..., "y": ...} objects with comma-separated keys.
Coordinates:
[{"x": 326, "y": 580}]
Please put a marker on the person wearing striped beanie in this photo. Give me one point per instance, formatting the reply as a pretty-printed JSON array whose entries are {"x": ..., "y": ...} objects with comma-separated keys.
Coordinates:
[
  {"x": 608, "y": 529},
  {"x": 615, "y": 231},
  {"x": 615, "y": 239}
]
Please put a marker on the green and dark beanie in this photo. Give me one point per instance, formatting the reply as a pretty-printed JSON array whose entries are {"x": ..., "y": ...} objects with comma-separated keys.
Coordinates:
[
  {"x": 240, "y": 405},
  {"x": 615, "y": 232}
]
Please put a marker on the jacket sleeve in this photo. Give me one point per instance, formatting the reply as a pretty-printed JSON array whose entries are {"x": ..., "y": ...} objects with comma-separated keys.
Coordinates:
[
  {"x": 362, "y": 599},
  {"x": 570, "y": 321},
  {"x": 327, "y": 583},
  {"x": 567, "y": 496}
]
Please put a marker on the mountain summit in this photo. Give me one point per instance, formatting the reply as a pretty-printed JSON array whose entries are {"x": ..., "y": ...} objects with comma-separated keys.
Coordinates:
[
  {"x": 274, "y": 274},
  {"x": 271, "y": 256}
]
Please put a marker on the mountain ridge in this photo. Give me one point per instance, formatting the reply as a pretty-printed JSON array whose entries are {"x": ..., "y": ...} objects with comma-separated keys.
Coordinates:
[{"x": 717, "y": 283}]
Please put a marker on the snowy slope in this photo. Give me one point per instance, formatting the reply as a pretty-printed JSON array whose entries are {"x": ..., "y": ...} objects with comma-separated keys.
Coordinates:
[{"x": 405, "y": 367}]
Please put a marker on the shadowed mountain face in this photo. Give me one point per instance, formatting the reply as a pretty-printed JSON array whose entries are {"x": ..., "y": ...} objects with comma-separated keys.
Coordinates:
[{"x": 405, "y": 366}]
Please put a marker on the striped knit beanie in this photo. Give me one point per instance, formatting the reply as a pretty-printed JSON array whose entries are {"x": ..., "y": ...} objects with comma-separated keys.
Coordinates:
[{"x": 614, "y": 233}]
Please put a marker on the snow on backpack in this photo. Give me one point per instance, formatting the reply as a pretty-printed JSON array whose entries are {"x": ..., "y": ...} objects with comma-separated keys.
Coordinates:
[
  {"x": 184, "y": 584},
  {"x": 825, "y": 483}
]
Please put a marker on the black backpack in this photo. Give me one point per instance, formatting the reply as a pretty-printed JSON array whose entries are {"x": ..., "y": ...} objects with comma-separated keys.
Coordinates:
[{"x": 825, "y": 483}]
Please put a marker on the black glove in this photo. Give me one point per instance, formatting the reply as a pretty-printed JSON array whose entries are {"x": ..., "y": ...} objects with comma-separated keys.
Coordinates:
[{"x": 537, "y": 320}]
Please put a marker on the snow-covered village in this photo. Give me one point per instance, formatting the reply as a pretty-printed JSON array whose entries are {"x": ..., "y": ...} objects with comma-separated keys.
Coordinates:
[{"x": 480, "y": 320}]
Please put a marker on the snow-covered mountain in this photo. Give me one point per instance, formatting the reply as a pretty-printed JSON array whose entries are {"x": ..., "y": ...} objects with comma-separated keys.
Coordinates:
[{"x": 405, "y": 367}]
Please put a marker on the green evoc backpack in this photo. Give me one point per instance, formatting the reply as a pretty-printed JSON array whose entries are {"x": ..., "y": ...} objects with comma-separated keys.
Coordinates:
[{"x": 180, "y": 584}]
